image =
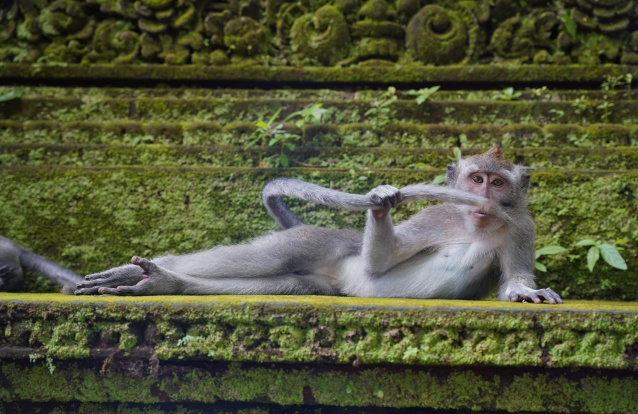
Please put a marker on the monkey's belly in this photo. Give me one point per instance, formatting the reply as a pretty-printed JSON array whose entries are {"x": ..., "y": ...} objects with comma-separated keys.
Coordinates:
[{"x": 457, "y": 271}]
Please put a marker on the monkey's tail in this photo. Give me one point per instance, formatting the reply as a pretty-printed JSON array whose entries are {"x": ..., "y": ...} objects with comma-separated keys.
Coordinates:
[
  {"x": 290, "y": 187},
  {"x": 56, "y": 272}
]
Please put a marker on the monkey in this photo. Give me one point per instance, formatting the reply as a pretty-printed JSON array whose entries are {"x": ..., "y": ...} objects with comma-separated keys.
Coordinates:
[
  {"x": 16, "y": 259},
  {"x": 479, "y": 240}
]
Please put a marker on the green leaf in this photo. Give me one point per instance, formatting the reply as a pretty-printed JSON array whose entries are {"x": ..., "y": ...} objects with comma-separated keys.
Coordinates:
[
  {"x": 586, "y": 242},
  {"x": 262, "y": 125},
  {"x": 540, "y": 267},
  {"x": 283, "y": 160},
  {"x": 457, "y": 153},
  {"x": 571, "y": 26},
  {"x": 274, "y": 141},
  {"x": 9, "y": 96},
  {"x": 274, "y": 117},
  {"x": 553, "y": 249},
  {"x": 612, "y": 256},
  {"x": 592, "y": 257},
  {"x": 439, "y": 179}
]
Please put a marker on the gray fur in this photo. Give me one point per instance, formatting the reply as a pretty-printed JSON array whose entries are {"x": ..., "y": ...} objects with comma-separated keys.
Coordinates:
[{"x": 480, "y": 238}]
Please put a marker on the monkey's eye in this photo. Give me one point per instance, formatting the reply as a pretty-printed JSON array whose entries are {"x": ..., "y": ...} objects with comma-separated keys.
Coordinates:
[
  {"x": 497, "y": 182},
  {"x": 477, "y": 179}
]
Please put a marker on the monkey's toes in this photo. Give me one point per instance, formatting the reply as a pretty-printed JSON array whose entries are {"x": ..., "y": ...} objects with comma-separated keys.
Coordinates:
[{"x": 146, "y": 265}]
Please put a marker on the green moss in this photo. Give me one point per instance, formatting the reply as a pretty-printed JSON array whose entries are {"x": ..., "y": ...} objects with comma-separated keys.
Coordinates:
[{"x": 91, "y": 219}]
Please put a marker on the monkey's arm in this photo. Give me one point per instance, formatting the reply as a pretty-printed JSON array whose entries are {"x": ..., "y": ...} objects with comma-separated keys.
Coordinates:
[
  {"x": 517, "y": 267},
  {"x": 386, "y": 245}
]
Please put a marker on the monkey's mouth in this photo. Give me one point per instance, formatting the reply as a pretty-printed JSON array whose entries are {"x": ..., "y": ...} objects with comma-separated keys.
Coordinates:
[{"x": 481, "y": 214}]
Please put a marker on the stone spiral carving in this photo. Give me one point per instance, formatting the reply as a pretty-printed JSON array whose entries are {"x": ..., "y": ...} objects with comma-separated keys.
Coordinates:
[
  {"x": 318, "y": 33},
  {"x": 439, "y": 36},
  {"x": 322, "y": 36},
  {"x": 245, "y": 36},
  {"x": 527, "y": 38}
]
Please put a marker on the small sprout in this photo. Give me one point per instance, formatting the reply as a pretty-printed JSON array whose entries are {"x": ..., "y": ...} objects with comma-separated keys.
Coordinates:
[
  {"x": 422, "y": 95},
  {"x": 507, "y": 94}
]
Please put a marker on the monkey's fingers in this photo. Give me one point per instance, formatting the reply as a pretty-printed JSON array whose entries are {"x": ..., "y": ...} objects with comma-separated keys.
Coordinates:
[
  {"x": 550, "y": 296},
  {"x": 537, "y": 296},
  {"x": 386, "y": 196},
  {"x": 79, "y": 290}
]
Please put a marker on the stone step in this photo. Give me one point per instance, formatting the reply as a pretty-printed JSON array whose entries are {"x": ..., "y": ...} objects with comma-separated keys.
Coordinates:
[
  {"x": 93, "y": 218},
  {"x": 382, "y": 72},
  {"x": 225, "y": 111},
  {"x": 394, "y": 134},
  {"x": 388, "y": 156},
  {"x": 315, "y": 352}
]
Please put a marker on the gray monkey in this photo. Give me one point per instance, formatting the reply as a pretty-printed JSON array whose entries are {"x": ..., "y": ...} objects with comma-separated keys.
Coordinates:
[{"x": 480, "y": 239}]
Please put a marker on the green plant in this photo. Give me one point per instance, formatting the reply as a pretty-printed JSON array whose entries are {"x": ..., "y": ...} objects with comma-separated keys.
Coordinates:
[
  {"x": 542, "y": 94},
  {"x": 10, "y": 95},
  {"x": 310, "y": 115},
  {"x": 546, "y": 251},
  {"x": 613, "y": 82},
  {"x": 423, "y": 94},
  {"x": 507, "y": 94},
  {"x": 442, "y": 178},
  {"x": 273, "y": 134},
  {"x": 609, "y": 253},
  {"x": 380, "y": 112}
]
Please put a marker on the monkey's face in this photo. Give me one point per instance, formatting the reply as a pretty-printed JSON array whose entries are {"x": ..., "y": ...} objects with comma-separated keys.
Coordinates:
[{"x": 496, "y": 186}]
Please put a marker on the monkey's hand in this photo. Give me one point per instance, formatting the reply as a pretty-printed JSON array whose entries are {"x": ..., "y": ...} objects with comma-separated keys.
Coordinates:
[
  {"x": 142, "y": 277},
  {"x": 385, "y": 197},
  {"x": 536, "y": 296}
]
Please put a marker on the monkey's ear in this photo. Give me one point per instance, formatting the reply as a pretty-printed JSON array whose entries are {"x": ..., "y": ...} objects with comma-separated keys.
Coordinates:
[
  {"x": 525, "y": 182},
  {"x": 450, "y": 175}
]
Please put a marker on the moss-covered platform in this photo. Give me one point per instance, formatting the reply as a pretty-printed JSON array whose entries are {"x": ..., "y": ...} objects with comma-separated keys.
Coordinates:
[{"x": 265, "y": 353}]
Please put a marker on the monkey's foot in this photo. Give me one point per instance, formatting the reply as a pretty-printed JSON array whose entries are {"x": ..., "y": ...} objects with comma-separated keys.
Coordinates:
[
  {"x": 127, "y": 275},
  {"x": 152, "y": 280},
  {"x": 536, "y": 296}
]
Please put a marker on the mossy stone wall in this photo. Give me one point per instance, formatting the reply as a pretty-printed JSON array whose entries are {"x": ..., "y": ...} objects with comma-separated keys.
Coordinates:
[{"x": 99, "y": 165}]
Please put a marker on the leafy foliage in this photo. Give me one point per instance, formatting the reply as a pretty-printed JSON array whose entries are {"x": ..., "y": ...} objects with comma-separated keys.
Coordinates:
[
  {"x": 380, "y": 112},
  {"x": 273, "y": 134},
  {"x": 608, "y": 252}
]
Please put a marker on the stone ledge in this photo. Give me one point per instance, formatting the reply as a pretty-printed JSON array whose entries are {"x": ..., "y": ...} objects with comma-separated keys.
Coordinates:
[
  {"x": 335, "y": 330},
  {"x": 318, "y": 351},
  {"x": 382, "y": 74}
]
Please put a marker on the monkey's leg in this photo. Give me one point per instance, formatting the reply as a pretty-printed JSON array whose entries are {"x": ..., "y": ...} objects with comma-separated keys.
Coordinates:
[
  {"x": 157, "y": 280},
  {"x": 297, "y": 251}
]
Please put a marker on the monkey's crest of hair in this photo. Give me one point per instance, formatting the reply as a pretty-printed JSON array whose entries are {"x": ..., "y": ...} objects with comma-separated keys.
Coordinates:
[{"x": 492, "y": 158}]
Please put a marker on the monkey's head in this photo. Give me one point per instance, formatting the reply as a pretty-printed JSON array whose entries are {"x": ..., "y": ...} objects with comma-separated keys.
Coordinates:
[{"x": 492, "y": 176}]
